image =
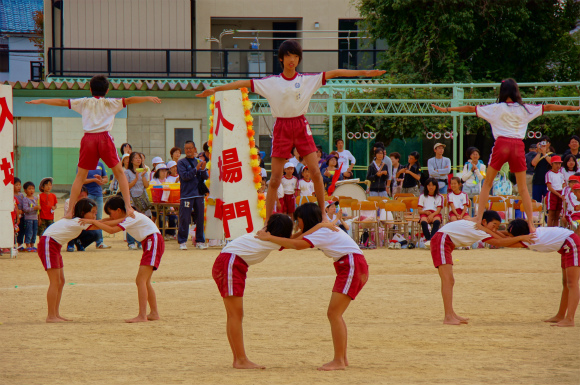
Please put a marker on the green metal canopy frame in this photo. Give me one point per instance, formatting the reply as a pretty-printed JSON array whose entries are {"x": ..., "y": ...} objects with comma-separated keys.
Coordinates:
[{"x": 337, "y": 104}]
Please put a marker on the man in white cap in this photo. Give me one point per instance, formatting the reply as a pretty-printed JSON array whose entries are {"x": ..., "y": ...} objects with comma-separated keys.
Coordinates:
[{"x": 439, "y": 167}]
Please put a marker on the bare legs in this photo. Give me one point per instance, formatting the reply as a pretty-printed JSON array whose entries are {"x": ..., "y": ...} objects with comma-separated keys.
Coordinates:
[
  {"x": 275, "y": 180},
  {"x": 235, "y": 313},
  {"x": 447, "y": 282},
  {"x": 338, "y": 305},
  {"x": 145, "y": 294},
  {"x": 54, "y": 294},
  {"x": 124, "y": 186},
  {"x": 316, "y": 176},
  {"x": 76, "y": 190},
  {"x": 571, "y": 277}
]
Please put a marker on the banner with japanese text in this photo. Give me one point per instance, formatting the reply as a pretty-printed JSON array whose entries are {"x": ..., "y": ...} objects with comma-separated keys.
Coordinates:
[
  {"x": 232, "y": 208},
  {"x": 6, "y": 167}
]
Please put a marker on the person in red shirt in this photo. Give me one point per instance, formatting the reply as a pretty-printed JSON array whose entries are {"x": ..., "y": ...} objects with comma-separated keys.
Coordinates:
[{"x": 47, "y": 202}]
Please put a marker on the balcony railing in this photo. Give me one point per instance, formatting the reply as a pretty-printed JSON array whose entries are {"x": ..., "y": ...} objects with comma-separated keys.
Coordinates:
[{"x": 179, "y": 63}]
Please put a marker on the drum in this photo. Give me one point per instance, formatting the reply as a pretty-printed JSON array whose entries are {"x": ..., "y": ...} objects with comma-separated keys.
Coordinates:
[{"x": 352, "y": 190}]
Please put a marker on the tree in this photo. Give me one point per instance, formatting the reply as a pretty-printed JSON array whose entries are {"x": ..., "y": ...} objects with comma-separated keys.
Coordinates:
[
  {"x": 476, "y": 40},
  {"x": 38, "y": 37}
]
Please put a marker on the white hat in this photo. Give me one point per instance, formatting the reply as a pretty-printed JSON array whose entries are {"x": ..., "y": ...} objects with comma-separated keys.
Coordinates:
[
  {"x": 157, "y": 159},
  {"x": 125, "y": 156},
  {"x": 171, "y": 163},
  {"x": 437, "y": 145},
  {"x": 289, "y": 164},
  {"x": 330, "y": 203},
  {"x": 161, "y": 166}
]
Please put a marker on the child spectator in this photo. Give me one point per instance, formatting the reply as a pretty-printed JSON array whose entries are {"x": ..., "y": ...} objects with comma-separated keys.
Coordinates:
[
  {"x": 47, "y": 202},
  {"x": 555, "y": 181},
  {"x": 30, "y": 207},
  {"x": 335, "y": 215},
  {"x": 458, "y": 201},
  {"x": 143, "y": 230},
  {"x": 19, "y": 197},
  {"x": 290, "y": 185},
  {"x": 305, "y": 185},
  {"x": 229, "y": 273},
  {"x": 569, "y": 166},
  {"x": 98, "y": 115},
  {"x": 430, "y": 205},
  {"x": 570, "y": 199}
]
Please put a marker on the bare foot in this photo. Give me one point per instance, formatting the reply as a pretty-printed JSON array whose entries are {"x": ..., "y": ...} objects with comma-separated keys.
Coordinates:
[
  {"x": 136, "y": 319},
  {"x": 564, "y": 323},
  {"x": 51, "y": 320},
  {"x": 345, "y": 361},
  {"x": 153, "y": 317},
  {"x": 246, "y": 364},
  {"x": 451, "y": 321},
  {"x": 463, "y": 320},
  {"x": 333, "y": 365},
  {"x": 64, "y": 319},
  {"x": 554, "y": 319}
]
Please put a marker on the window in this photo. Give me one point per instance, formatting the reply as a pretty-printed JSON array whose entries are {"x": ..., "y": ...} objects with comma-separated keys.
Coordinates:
[{"x": 4, "y": 58}]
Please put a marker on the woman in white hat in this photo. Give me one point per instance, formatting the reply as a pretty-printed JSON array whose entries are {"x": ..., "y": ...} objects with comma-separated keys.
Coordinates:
[{"x": 173, "y": 176}]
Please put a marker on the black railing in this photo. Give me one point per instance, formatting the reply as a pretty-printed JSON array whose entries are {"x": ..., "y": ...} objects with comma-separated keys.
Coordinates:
[{"x": 179, "y": 63}]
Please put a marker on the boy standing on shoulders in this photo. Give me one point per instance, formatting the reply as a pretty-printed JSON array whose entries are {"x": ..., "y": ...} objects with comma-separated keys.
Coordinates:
[
  {"x": 143, "y": 230},
  {"x": 98, "y": 114}
]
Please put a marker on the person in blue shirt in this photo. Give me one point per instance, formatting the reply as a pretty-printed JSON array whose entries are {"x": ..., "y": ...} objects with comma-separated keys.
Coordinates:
[{"x": 94, "y": 183}]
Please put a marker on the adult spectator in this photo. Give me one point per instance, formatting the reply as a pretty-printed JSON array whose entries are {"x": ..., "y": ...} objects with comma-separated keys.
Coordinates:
[
  {"x": 387, "y": 161},
  {"x": 138, "y": 183},
  {"x": 378, "y": 175},
  {"x": 573, "y": 147},
  {"x": 175, "y": 154},
  {"x": 345, "y": 158},
  {"x": 396, "y": 182},
  {"x": 321, "y": 156},
  {"x": 192, "y": 173},
  {"x": 126, "y": 148},
  {"x": 533, "y": 150},
  {"x": 542, "y": 164},
  {"x": 94, "y": 183},
  {"x": 439, "y": 167},
  {"x": 473, "y": 173},
  {"x": 412, "y": 174},
  {"x": 329, "y": 169}
]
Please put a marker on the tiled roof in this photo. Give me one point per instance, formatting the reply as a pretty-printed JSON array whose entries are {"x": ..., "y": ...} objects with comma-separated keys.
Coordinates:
[{"x": 16, "y": 15}]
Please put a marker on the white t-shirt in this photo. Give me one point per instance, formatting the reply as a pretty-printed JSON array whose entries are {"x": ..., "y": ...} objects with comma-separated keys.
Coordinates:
[
  {"x": 567, "y": 174},
  {"x": 139, "y": 227},
  {"x": 509, "y": 120},
  {"x": 252, "y": 250},
  {"x": 460, "y": 201},
  {"x": 334, "y": 244},
  {"x": 549, "y": 239},
  {"x": 263, "y": 172},
  {"x": 65, "y": 230},
  {"x": 556, "y": 179},
  {"x": 345, "y": 158},
  {"x": 571, "y": 203},
  {"x": 98, "y": 113},
  {"x": 289, "y": 185},
  {"x": 280, "y": 191},
  {"x": 288, "y": 98},
  {"x": 172, "y": 179},
  {"x": 464, "y": 233},
  {"x": 430, "y": 202},
  {"x": 306, "y": 188}
]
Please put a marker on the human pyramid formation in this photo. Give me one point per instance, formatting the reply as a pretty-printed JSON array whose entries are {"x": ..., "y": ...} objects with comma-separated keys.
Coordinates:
[{"x": 289, "y": 95}]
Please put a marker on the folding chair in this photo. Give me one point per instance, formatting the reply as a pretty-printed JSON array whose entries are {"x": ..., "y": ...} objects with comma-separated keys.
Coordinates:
[
  {"x": 537, "y": 207},
  {"x": 501, "y": 208},
  {"x": 376, "y": 199},
  {"x": 345, "y": 206},
  {"x": 412, "y": 216},
  {"x": 398, "y": 224},
  {"x": 370, "y": 222},
  {"x": 403, "y": 195}
]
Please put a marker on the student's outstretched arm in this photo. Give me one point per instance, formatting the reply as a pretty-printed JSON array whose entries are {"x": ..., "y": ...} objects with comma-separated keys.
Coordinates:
[
  {"x": 50, "y": 102},
  {"x": 142, "y": 99},
  {"x": 103, "y": 226},
  {"x": 287, "y": 243},
  {"x": 451, "y": 109},
  {"x": 226, "y": 87},
  {"x": 557, "y": 107},
  {"x": 352, "y": 73}
]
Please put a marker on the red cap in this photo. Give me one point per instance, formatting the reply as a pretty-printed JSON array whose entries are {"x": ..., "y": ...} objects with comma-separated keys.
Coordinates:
[
  {"x": 556, "y": 159},
  {"x": 576, "y": 186},
  {"x": 574, "y": 178}
]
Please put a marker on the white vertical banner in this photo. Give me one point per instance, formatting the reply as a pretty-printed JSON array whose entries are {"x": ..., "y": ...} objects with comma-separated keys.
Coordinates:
[
  {"x": 6, "y": 167},
  {"x": 233, "y": 210}
]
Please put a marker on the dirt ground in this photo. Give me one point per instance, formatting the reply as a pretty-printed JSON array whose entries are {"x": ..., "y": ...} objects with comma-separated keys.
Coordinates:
[{"x": 396, "y": 335}]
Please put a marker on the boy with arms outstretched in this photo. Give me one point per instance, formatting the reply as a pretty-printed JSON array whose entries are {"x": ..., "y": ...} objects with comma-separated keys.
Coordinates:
[
  {"x": 143, "y": 230},
  {"x": 98, "y": 114},
  {"x": 463, "y": 233},
  {"x": 289, "y": 96},
  {"x": 567, "y": 243}
]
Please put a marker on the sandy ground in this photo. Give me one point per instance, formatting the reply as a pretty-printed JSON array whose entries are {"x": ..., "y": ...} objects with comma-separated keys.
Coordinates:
[{"x": 396, "y": 335}]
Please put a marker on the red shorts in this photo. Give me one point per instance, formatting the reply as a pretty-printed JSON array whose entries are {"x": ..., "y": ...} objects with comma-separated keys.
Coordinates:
[
  {"x": 441, "y": 248},
  {"x": 153, "y": 248},
  {"x": 288, "y": 204},
  {"x": 229, "y": 273},
  {"x": 461, "y": 213},
  {"x": 352, "y": 273},
  {"x": 97, "y": 146},
  {"x": 438, "y": 216},
  {"x": 553, "y": 202},
  {"x": 570, "y": 251},
  {"x": 509, "y": 150},
  {"x": 49, "y": 253},
  {"x": 290, "y": 133}
]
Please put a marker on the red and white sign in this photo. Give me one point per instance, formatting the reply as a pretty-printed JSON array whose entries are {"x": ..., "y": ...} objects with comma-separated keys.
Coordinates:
[
  {"x": 232, "y": 188},
  {"x": 6, "y": 167}
]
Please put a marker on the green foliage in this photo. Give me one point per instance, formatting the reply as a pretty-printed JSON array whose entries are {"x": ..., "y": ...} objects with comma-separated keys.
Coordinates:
[{"x": 475, "y": 40}]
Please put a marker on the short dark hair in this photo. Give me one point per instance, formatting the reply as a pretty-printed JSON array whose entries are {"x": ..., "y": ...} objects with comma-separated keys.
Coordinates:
[
  {"x": 280, "y": 225},
  {"x": 17, "y": 180},
  {"x": 339, "y": 140},
  {"x": 114, "y": 203},
  {"x": 83, "y": 206},
  {"x": 43, "y": 183},
  {"x": 546, "y": 138},
  {"x": 189, "y": 141},
  {"x": 574, "y": 137},
  {"x": 99, "y": 85},
  {"x": 415, "y": 155},
  {"x": 122, "y": 148},
  {"x": 310, "y": 214},
  {"x": 205, "y": 147},
  {"x": 433, "y": 181},
  {"x": 175, "y": 149},
  {"x": 379, "y": 144},
  {"x": 379, "y": 149},
  {"x": 395, "y": 155},
  {"x": 518, "y": 227},
  {"x": 471, "y": 150},
  {"x": 458, "y": 180},
  {"x": 28, "y": 184},
  {"x": 289, "y": 47},
  {"x": 567, "y": 159},
  {"x": 490, "y": 216}
]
